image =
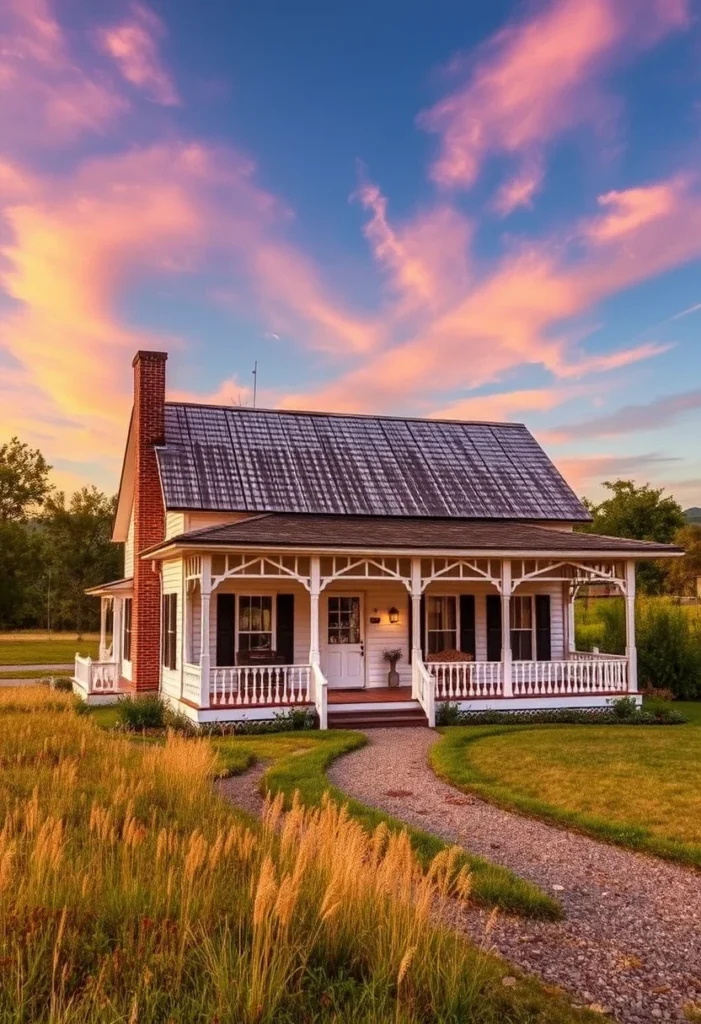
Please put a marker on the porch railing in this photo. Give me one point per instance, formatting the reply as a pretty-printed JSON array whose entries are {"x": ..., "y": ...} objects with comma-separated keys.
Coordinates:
[
  {"x": 270, "y": 685},
  {"x": 460, "y": 680},
  {"x": 96, "y": 676},
  {"x": 603, "y": 674},
  {"x": 320, "y": 687},
  {"x": 424, "y": 689},
  {"x": 192, "y": 675}
]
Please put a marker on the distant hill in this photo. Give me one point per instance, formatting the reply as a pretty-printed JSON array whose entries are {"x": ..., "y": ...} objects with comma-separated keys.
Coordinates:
[{"x": 693, "y": 515}]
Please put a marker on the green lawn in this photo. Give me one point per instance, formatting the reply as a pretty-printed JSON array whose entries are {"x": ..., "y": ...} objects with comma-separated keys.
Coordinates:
[
  {"x": 40, "y": 649},
  {"x": 633, "y": 785},
  {"x": 18, "y": 673}
]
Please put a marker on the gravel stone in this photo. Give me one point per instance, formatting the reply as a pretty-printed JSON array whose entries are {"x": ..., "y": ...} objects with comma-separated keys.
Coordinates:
[
  {"x": 244, "y": 790},
  {"x": 631, "y": 941}
]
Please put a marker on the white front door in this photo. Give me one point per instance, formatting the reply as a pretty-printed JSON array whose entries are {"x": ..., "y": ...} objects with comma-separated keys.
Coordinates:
[{"x": 343, "y": 655}]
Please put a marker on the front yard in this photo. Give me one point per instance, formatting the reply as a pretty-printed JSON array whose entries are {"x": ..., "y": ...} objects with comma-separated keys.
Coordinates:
[
  {"x": 132, "y": 892},
  {"x": 40, "y": 648},
  {"x": 634, "y": 785}
]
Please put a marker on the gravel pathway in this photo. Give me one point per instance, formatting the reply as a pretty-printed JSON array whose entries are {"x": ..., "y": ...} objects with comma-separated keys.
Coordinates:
[
  {"x": 244, "y": 790},
  {"x": 631, "y": 943}
]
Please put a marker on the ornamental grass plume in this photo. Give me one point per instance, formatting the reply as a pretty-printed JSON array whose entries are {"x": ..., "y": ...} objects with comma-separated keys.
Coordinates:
[{"x": 131, "y": 891}]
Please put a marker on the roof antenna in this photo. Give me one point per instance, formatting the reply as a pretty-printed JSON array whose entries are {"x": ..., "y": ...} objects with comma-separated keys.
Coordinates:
[{"x": 255, "y": 382}]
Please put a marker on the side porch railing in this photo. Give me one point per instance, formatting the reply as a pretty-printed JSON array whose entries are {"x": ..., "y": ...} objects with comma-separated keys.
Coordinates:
[
  {"x": 270, "y": 685},
  {"x": 96, "y": 676},
  {"x": 581, "y": 673}
]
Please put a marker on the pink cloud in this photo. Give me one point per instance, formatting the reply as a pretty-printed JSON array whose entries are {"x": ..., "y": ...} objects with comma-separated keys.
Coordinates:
[
  {"x": 539, "y": 77},
  {"x": 513, "y": 315},
  {"x": 133, "y": 45},
  {"x": 426, "y": 258},
  {"x": 46, "y": 98},
  {"x": 505, "y": 405},
  {"x": 521, "y": 189},
  {"x": 632, "y": 209}
]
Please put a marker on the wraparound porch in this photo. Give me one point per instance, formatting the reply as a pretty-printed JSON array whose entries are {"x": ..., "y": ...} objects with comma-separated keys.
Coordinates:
[{"x": 228, "y": 615}]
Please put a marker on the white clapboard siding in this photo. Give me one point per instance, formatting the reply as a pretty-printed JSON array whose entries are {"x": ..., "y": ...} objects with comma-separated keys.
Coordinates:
[
  {"x": 175, "y": 524},
  {"x": 129, "y": 549}
]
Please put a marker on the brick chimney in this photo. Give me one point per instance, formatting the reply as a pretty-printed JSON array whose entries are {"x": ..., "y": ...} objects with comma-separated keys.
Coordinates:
[{"x": 149, "y": 516}]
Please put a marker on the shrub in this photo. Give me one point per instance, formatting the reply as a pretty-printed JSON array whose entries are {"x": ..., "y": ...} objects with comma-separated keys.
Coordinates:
[
  {"x": 61, "y": 684},
  {"x": 669, "y": 648},
  {"x": 448, "y": 713},
  {"x": 567, "y": 716},
  {"x": 293, "y": 720},
  {"x": 145, "y": 712},
  {"x": 652, "y": 693}
]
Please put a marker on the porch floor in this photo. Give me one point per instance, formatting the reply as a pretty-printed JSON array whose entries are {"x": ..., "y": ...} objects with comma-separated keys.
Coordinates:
[{"x": 369, "y": 695}]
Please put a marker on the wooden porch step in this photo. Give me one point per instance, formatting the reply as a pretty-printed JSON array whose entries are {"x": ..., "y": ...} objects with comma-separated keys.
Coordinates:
[{"x": 371, "y": 718}]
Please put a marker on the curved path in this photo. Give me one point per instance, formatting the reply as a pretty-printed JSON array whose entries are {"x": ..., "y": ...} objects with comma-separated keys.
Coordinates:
[{"x": 631, "y": 943}]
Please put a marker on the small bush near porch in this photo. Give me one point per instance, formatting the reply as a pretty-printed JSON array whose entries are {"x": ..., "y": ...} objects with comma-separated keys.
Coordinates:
[
  {"x": 132, "y": 892},
  {"x": 636, "y": 787}
]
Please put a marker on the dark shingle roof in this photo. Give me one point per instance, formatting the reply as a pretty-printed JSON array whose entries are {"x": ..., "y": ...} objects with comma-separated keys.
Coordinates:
[
  {"x": 228, "y": 458},
  {"x": 378, "y": 532}
]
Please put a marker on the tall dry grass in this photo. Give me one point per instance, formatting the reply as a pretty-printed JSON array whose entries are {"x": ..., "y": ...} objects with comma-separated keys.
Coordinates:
[{"x": 130, "y": 892}]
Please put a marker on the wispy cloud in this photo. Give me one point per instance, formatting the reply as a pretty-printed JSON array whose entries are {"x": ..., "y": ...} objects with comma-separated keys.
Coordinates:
[
  {"x": 687, "y": 312},
  {"x": 520, "y": 190},
  {"x": 632, "y": 418},
  {"x": 541, "y": 76},
  {"x": 133, "y": 44}
]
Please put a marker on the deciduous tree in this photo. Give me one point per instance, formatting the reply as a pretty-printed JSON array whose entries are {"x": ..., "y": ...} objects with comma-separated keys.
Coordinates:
[{"x": 24, "y": 480}]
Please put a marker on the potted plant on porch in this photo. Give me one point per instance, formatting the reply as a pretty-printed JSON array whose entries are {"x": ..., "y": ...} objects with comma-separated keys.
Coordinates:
[{"x": 392, "y": 656}]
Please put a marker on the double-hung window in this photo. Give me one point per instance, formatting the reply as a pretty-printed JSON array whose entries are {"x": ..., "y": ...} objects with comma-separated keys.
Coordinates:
[
  {"x": 255, "y": 623},
  {"x": 441, "y": 624},
  {"x": 170, "y": 631},
  {"x": 522, "y": 628}
]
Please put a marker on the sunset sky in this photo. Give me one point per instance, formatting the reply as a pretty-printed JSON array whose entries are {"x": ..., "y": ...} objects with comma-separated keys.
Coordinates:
[{"x": 482, "y": 211}]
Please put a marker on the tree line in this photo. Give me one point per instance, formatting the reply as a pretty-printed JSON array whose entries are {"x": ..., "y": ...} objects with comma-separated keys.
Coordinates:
[{"x": 53, "y": 547}]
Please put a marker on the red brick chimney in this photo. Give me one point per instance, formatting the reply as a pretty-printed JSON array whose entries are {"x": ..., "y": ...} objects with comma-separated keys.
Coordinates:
[{"x": 149, "y": 516}]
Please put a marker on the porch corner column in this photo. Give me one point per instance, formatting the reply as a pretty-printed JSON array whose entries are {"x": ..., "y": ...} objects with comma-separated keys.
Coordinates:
[
  {"x": 506, "y": 660},
  {"x": 117, "y": 632},
  {"x": 206, "y": 593},
  {"x": 416, "y": 653},
  {"x": 631, "y": 648},
  {"x": 570, "y": 595},
  {"x": 103, "y": 627},
  {"x": 314, "y": 591}
]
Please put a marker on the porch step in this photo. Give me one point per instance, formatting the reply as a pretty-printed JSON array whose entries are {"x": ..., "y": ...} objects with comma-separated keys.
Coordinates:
[{"x": 374, "y": 718}]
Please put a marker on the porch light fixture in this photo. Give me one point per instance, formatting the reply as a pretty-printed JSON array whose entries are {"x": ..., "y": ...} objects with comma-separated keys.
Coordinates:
[{"x": 393, "y": 615}]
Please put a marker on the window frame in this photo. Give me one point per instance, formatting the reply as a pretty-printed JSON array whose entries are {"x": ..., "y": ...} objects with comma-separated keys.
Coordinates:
[
  {"x": 169, "y": 632},
  {"x": 532, "y": 631},
  {"x": 127, "y": 628},
  {"x": 455, "y": 597},
  {"x": 354, "y": 596},
  {"x": 273, "y": 622}
]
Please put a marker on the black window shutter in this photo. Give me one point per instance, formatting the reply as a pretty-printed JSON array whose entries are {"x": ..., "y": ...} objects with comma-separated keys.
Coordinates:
[
  {"x": 543, "y": 644},
  {"x": 285, "y": 642},
  {"x": 467, "y": 624},
  {"x": 493, "y": 627},
  {"x": 226, "y": 629},
  {"x": 423, "y": 626}
]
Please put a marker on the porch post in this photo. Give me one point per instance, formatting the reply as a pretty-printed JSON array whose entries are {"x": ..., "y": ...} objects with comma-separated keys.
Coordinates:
[
  {"x": 314, "y": 591},
  {"x": 506, "y": 666},
  {"x": 569, "y": 644},
  {"x": 416, "y": 653},
  {"x": 103, "y": 627},
  {"x": 631, "y": 648},
  {"x": 206, "y": 592},
  {"x": 117, "y": 631}
]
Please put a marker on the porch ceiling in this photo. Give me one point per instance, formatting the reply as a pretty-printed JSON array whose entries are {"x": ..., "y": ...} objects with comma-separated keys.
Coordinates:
[{"x": 385, "y": 532}]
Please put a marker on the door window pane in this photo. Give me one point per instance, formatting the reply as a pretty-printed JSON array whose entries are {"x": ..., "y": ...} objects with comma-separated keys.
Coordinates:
[
  {"x": 441, "y": 624},
  {"x": 256, "y": 623},
  {"x": 344, "y": 620},
  {"x": 522, "y": 628}
]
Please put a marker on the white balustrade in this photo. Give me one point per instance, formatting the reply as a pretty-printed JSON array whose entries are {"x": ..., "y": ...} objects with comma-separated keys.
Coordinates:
[
  {"x": 96, "y": 676},
  {"x": 191, "y": 683},
  {"x": 424, "y": 688},
  {"x": 267, "y": 685},
  {"x": 459, "y": 680},
  {"x": 582, "y": 673},
  {"x": 575, "y": 676},
  {"x": 320, "y": 693}
]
